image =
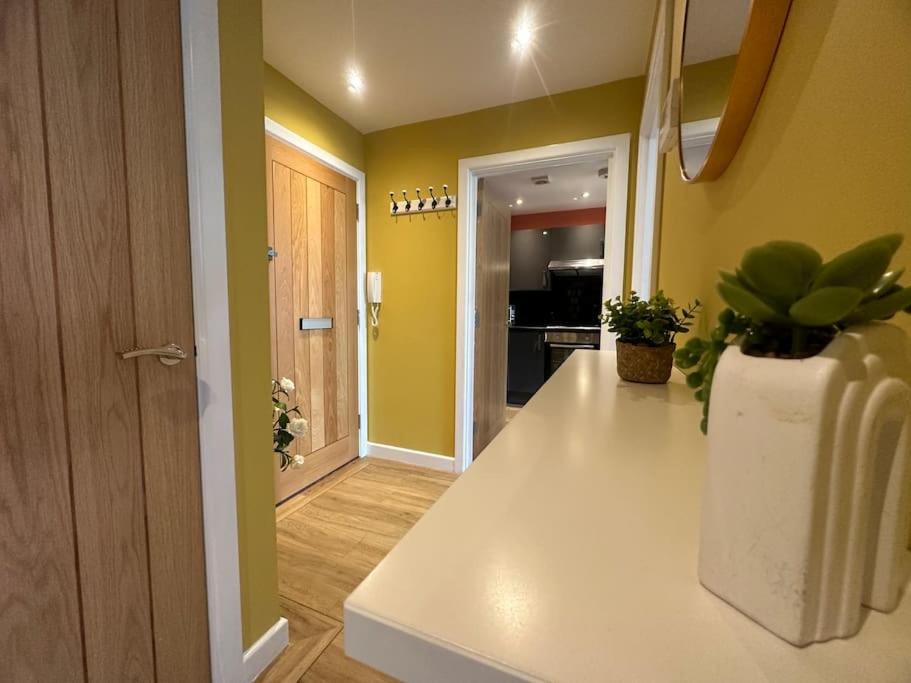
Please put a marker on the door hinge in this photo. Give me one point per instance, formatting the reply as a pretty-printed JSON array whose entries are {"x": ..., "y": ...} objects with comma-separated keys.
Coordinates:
[
  {"x": 358, "y": 420},
  {"x": 271, "y": 254},
  {"x": 477, "y": 318},
  {"x": 357, "y": 317},
  {"x": 357, "y": 212}
]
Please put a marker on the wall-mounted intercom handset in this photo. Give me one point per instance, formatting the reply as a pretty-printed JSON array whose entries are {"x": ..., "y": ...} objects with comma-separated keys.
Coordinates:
[{"x": 375, "y": 296}]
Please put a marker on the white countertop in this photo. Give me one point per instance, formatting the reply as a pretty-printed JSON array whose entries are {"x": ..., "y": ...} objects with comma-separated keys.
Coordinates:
[{"x": 567, "y": 552}]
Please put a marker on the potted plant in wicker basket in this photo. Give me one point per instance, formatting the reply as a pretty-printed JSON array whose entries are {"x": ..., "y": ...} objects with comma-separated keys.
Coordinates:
[
  {"x": 807, "y": 498},
  {"x": 645, "y": 331}
]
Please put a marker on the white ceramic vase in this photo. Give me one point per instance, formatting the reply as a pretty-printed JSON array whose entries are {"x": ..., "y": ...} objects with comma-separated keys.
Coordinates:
[{"x": 807, "y": 504}]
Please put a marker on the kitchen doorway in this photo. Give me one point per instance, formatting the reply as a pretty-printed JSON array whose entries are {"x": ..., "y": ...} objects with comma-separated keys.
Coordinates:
[
  {"x": 540, "y": 272},
  {"x": 614, "y": 150}
]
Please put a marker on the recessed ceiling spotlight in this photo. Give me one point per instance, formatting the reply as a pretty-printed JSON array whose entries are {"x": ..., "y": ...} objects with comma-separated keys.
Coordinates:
[
  {"x": 586, "y": 195},
  {"x": 520, "y": 201},
  {"x": 575, "y": 199},
  {"x": 354, "y": 80},
  {"x": 510, "y": 206},
  {"x": 545, "y": 232},
  {"x": 523, "y": 36}
]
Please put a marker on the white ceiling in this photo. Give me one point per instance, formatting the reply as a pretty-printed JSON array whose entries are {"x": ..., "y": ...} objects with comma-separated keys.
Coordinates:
[
  {"x": 714, "y": 28},
  {"x": 566, "y": 182},
  {"x": 424, "y": 59}
]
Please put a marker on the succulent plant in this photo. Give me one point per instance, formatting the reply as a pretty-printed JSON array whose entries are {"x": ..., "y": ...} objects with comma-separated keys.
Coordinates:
[{"x": 784, "y": 302}]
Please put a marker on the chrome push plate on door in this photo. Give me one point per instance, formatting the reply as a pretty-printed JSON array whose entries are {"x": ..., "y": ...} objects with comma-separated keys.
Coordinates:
[{"x": 316, "y": 323}]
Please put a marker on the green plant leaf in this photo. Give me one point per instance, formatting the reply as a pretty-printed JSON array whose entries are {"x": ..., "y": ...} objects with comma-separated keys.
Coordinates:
[
  {"x": 885, "y": 283},
  {"x": 748, "y": 304},
  {"x": 861, "y": 267},
  {"x": 743, "y": 282},
  {"x": 730, "y": 278},
  {"x": 882, "y": 308},
  {"x": 809, "y": 259},
  {"x": 825, "y": 306},
  {"x": 780, "y": 270}
]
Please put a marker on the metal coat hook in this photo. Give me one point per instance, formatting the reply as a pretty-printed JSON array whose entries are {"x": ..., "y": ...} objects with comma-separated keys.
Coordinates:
[{"x": 422, "y": 204}]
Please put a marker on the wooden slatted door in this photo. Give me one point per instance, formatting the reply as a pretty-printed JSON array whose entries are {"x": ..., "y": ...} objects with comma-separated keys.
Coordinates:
[
  {"x": 491, "y": 304},
  {"x": 312, "y": 227},
  {"x": 102, "y": 573}
]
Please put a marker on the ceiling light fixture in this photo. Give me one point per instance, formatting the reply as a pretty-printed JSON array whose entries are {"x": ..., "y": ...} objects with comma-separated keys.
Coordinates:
[
  {"x": 575, "y": 199},
  {"x": 355, "y": 82},
  {"x": 586, "y": 195},
  {"x": 519, "y": 201},
  {"x": 523, "y": 36}
]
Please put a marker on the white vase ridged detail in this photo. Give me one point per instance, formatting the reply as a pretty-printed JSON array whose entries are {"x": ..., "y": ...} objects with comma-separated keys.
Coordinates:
[{"x": 807, "y": 503}]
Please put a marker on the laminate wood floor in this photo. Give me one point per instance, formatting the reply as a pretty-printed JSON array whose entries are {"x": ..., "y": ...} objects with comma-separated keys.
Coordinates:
[{"x": 329, "y": 538}]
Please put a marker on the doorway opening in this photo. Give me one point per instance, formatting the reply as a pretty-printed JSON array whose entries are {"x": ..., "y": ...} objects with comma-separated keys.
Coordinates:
[
  {"x": 540, "y": 263},
  {"x": 483, "y": 298}
]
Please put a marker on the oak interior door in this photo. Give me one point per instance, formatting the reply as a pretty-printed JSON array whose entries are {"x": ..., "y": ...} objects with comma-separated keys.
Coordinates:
[
  {"x": 312, "y": 227},
  {"x": 102, "y": 573},
  {"x": 491, "y": 304}
]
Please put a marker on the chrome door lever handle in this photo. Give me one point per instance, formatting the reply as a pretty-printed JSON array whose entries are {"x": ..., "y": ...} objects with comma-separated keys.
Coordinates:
[{"x": 171, "y": 354}]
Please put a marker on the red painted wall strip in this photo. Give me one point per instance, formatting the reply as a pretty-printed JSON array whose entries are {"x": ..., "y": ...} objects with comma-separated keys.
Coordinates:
[{"x": 558, "y": 219}]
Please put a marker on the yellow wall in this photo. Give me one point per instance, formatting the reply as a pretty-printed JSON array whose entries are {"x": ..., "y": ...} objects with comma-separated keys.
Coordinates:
[
  {"x": 411, "y": 363},
  {"x": 827, "y": 158},
  {"x": 296, "y": 110},
  {"x": 241, "y": 48},
  {"x": 705, "y": 88}
]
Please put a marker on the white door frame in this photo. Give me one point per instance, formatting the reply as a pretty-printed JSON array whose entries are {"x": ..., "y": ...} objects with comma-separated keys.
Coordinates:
[
  {"x": 208, "y": 247},
  {"x": 289, "y": 137},
  {"x": 648, "y": 161},
  {"x": 208, "y": 251},
  {"x": 613, "y": 147}
]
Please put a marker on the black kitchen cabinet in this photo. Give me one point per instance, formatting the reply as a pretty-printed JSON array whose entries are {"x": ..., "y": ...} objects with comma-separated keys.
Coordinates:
[
  {"x": 531, "y": 251},
  {"x": 526, "y": 365}
]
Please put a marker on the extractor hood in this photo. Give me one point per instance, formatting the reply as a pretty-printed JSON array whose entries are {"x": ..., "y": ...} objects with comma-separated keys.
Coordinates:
[{"x": 582, "y": 266}]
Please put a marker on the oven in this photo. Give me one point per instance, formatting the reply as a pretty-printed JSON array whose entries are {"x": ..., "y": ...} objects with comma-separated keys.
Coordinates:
[{"x": 559, "y": 343}]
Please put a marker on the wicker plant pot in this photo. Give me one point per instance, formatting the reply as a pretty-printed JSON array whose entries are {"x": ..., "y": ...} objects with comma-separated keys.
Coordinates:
[{"x": 645, "y": 364}]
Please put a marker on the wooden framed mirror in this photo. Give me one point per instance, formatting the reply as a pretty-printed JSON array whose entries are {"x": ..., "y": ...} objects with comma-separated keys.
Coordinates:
[{"x": 724, "y": 50}]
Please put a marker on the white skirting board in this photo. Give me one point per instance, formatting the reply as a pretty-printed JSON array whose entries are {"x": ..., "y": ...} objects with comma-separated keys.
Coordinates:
[
  {"x": 265, "y": 650},
  {"x": 411, "y": 457}
]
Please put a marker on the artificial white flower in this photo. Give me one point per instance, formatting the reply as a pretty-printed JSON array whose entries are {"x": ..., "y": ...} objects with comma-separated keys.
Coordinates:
[
  {"x": 276, "y": 411},
  {"x": 297, "y": 461},
  {"x": 298, "y": 426},
  {"x": 286, "y": 384}
]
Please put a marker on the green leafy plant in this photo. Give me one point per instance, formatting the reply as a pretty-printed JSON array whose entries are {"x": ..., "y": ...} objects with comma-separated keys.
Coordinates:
[
  {"x": 652, "y": 322},
  {"x": 287, "y": 424},
  {"x": 784, "y": 302}
]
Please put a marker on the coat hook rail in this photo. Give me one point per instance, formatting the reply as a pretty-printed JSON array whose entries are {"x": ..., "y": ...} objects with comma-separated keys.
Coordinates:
[{"x": 422, "y": 204}]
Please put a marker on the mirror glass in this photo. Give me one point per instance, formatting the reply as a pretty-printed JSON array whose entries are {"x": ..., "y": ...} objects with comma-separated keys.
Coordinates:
[{"x": 711, "y": 41}]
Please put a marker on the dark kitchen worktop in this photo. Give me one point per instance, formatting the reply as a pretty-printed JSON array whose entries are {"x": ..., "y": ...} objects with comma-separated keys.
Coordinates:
[{"x": 564, "y": 328}]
